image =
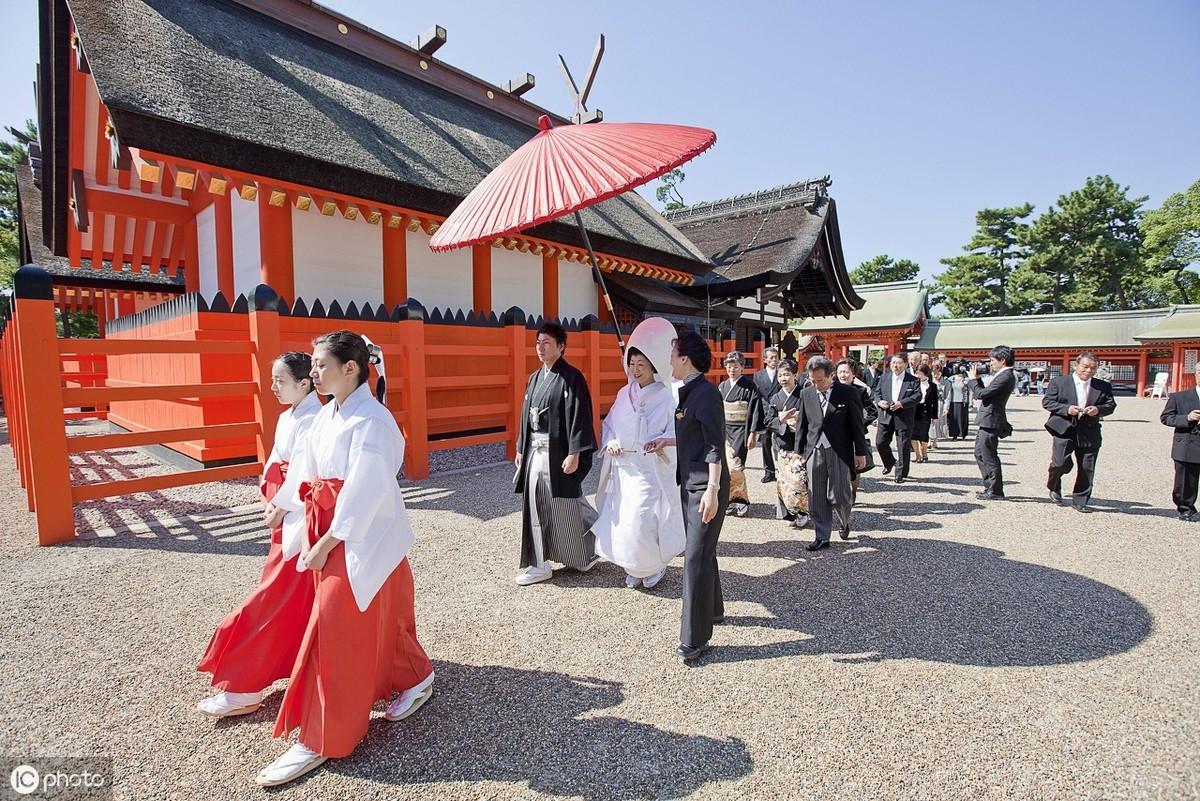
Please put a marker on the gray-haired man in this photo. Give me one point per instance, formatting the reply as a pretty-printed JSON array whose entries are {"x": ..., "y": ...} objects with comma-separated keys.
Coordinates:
[{"x": 832, "y": 436}]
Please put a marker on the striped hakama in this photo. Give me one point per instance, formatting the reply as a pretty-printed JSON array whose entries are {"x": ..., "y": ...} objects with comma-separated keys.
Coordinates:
[
  {"x": 829, "y": 491},
  {"x": 560, "y": 528}
]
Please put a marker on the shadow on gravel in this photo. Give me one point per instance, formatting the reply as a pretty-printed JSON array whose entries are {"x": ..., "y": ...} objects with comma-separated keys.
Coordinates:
[
  {"x": 543, "y": 729},
  {"x": 237, "y": 534},
  {"x": 927, "y": 599}
]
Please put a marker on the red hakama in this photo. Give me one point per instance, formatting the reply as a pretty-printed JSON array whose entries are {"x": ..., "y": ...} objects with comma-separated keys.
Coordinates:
[
  {"x": 348, "y": 659},
  {"x": 256, "y": 645}
]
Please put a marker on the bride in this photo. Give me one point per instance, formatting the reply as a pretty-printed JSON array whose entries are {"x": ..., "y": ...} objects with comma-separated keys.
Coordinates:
[{"x": 640, "y": 524}]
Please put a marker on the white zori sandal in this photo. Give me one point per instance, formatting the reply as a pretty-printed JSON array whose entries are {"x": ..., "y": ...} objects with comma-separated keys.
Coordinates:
[
  {"x": 409, "y": 701},
  {"x": 294, "y": 763},
  {"x": 227, "y": 705}
]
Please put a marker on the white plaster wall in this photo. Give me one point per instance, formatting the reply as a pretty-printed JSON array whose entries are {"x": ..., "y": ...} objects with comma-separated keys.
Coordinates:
[
  {"x": 516, "y": 281},
  {"x": 576, "y": 291},
  {"x": 206, "y": 240},
  {"x": 247, "y": 254},
  {"x": 438, "y": 280},
  {"x": 336, "y": 259}
]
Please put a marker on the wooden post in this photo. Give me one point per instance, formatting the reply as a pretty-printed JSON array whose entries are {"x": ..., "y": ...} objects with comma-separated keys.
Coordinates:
[
  {"x": 264, "y": 336},
  {"x": 481, "y": 278},
  {"x": 415, "y": 401},
  {"x": 277, "y": 266},
  {"x": 514, "y": 337},
  {"x": 589, "y": 331},
  {"x": 50, "y": 479},
  {"x": 1143, "y": 367},
  {"x": 395, "y": 263},
  {"x": 549, "y": 289}
]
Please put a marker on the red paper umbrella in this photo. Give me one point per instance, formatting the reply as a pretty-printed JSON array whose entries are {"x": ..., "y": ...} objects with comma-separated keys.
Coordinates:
[{"x": 565, "y": 169}]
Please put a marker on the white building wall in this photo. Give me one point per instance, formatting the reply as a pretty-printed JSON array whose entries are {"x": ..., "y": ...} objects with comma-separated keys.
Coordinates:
[
  {"x": 206, "y": 241},
  {"x": 516, "y": 281},
  {"x": 438, "y": 280},
  {"x": 336, "y": 259},
  {"x": 247, "y": 253},
  {"x": 576, "y": 291}
]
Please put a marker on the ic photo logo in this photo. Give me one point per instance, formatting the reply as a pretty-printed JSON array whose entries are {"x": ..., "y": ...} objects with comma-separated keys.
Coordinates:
[
  {"x": 25, "y": 779},
  {"x": 59, "y": 778}
]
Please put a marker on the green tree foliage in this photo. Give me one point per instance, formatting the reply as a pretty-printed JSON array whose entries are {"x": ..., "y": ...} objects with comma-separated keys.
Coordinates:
[
  {"x": 12, "y": 153},
  {"x": 883, "y": 269},
  {"x": 979, "y": 283},
  {"x": 1171, "y": 245},
  {"x": 667, "y": 192}
]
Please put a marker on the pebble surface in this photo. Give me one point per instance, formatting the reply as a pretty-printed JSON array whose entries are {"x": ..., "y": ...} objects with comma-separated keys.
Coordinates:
[{"x": 951, "y": 649}]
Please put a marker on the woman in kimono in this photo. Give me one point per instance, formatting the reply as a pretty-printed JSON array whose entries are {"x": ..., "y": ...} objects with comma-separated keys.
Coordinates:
[
  {"x": 926, "y": 412},
  {"x": 256, "y": 644},
  {"x": 791, "y": 496},
  {"x": 743, "y": 421},
  {"x": 846, "y": 374},
  {"x": 703, "y": 475},
  {"x": 360, "y": 645},
  {"x": 640, "y": 523}
]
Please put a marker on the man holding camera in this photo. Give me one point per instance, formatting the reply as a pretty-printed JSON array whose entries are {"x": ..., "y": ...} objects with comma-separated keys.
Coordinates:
[
  {"x": 1182, "y": 413},
  {"x": 991, "y": 421}
]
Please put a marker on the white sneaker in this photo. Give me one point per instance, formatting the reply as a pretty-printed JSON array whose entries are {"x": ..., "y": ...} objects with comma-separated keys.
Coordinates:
[
  {"x": 534, "y": 574},
  {"x": 650, "y": 582},
  {"x": 227, "y": 705},
  {"x": 632, "y": 581},
  {"x": 294, "y": 763},
  {"x": 409, "y": 701}
]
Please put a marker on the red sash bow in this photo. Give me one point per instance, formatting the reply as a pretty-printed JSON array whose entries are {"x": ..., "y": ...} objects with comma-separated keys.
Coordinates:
[{"x": 319, "y": 496}]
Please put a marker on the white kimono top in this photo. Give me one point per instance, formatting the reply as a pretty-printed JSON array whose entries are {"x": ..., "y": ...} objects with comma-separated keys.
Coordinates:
[
  {"x": 360, "y": 443},
  {"x": 291, "y": 433}
]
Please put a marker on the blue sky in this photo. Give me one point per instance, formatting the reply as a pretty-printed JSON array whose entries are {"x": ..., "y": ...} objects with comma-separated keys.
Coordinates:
[{"x": 922, "y": 112}]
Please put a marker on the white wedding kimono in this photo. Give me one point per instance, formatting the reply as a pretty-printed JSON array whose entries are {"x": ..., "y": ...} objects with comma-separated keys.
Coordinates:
[
  {"x": 361, "y": 444},
  {"x": 640, "y": 523},
  {"x": 291, "y": 433}
]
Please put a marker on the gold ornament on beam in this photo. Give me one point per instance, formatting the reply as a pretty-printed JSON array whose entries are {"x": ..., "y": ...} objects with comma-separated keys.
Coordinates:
[
  {"x": 303, "y": 201},
  {"x": 248, "y": 190},
  {"x": 395, "y": 220},
  {"x": 278, "y": 197},
  {"x": 328, "y": 208}
]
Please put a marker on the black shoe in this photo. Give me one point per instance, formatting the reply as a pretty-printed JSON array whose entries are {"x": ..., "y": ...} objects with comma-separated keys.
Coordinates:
[
  {"x": 987, "y": 496},
  {"x": 767, "y": 478},
  {"x": 844, "y": 533},
  {"x": 1187, "y": 516},
  {"x": 1056, "y": 497},
  {"x": 900, "y": 479},
  {"x": 1082, "y": 507},
  {"x": 817, "y": 545},
  {"x": 687, "y": 653},
  {"x": 887, "y": 471}
]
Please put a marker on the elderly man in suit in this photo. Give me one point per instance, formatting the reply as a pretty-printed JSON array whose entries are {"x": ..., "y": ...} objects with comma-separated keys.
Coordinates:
[
  {"x": 896, "y": 394},
  {"x": 831, "y": 434},
  {"x": 1182, "y": 413},
  {"x": 766, "y": 381},
  {"x": 1076, "y": 404},
  {"x": 991, "y": 421}
]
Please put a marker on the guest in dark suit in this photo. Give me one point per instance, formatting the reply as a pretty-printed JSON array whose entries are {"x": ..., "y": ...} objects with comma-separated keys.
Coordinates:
[
  {"x": 831, "y": 435},
  {"x": 845, "y": 375},
  {"x": 703, "y": 476},
  {"x": 766, "y": 381},
  {"x": 1076, "y": 404},
  {"x": 1182, "y": 413},
  {"x": 992, "y": 419},
  {"x": 925, "y": 413},
  {"x": 896, "y": 396}
]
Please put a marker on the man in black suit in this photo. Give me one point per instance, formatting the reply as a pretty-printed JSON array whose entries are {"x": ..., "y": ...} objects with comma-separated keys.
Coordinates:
[
  {"x": 991, "y": 421},
  {"x": 766, "y": 381},
  {"x": 833, "y": 438},
  {"x": 1182, "y": 412},
  {"x": 896, "y": 393},
  {"x": 1076, "y": 403}
]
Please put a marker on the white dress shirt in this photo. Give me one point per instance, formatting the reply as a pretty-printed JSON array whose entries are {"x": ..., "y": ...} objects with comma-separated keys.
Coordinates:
[
  {"x": 897, "y": 383},
  {"x": 1082, "y": 388}
]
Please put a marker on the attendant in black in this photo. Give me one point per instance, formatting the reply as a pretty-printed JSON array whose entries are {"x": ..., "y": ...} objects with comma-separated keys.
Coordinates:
[
  {"x": 766, "y": 382},
  {"x": 925, "y": 413},
  {"x": 992, "y": 419},
  {"x": 831, "y": 435},
  {"x": 780, "y": 417},
  {"x": 743, "y": 422},
  {"x": 1182, "y": 413},
  {"x": 704, "y": 489},
  {"x": 1076, "y": 403},
  {"x": 896, "y": 396},
  {"x": 845, "y": 375}
]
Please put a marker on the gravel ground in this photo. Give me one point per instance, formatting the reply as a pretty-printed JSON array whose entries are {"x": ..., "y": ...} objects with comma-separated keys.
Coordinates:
[{"x": 951, "y": 649}]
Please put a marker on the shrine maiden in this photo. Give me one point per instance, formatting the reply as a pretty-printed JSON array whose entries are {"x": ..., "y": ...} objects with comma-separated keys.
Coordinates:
[
  {"x": 360, "y": 645},
  {"x": 256, "y": 645},
  {"x": 640, "y": 523}
]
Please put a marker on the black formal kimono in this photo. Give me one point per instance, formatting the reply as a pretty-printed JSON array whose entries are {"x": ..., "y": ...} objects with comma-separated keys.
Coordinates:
[
  {"x": 743, "y": 414},
  {"x": 556, "y": 420},
  {"x": 699, "y": 442}
]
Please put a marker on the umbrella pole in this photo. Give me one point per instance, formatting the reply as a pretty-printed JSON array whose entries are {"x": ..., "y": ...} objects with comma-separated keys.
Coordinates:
[{"x": 587, "y": 243}]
